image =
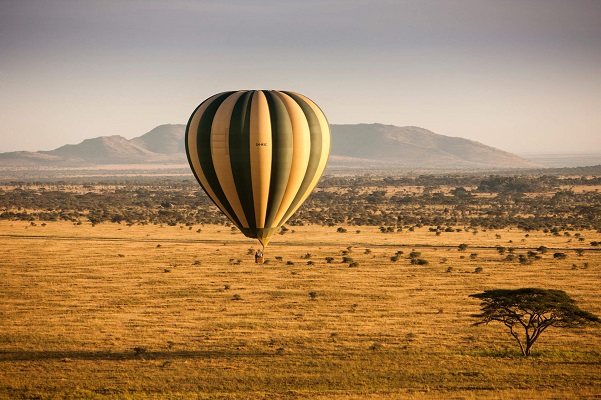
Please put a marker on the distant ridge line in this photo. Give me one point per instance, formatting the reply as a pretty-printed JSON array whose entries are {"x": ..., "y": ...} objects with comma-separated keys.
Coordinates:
[{"x": 364, "y": 146}]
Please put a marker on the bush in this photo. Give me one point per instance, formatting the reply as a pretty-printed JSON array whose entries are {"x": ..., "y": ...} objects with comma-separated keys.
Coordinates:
[
  {"x": 524, "y": 260},
  {"x": 559, "y": 256},
  {"x": 354, "y": 264}
]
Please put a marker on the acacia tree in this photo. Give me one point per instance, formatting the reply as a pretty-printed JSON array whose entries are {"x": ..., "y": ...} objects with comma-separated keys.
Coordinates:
[{"x": 531, "y": 311}]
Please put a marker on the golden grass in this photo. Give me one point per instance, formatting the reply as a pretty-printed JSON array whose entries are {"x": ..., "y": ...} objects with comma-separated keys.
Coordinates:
[{"x": 113, "y": 311}]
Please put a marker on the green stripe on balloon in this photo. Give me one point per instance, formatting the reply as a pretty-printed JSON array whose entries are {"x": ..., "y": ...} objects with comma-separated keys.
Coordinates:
[
  {"x": 204, "y": 153},
  {"x": 281, "y": 134},
  {"x": 239, "y": 150},
  {"x": 314, "y": 155}
]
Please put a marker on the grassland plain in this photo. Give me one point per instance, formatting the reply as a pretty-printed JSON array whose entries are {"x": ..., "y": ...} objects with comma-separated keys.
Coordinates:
[{"x": 145, "y": 311}]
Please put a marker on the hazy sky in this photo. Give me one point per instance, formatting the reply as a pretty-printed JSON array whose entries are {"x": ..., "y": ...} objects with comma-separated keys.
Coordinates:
[{"x": 520, "y": 75}]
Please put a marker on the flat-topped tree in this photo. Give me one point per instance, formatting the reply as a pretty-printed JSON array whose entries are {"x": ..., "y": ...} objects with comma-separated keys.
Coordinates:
[{"x": 531, "y": 310}]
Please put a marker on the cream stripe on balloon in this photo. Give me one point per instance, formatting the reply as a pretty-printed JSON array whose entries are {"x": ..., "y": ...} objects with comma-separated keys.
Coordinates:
[
  {"x": 220, "y": 135},
  {"x": 193, "y": 152},
  {"x": 261, "y": 148},
  {"x": 325, "y": 151},
  {"x": 301, "y": 145}
]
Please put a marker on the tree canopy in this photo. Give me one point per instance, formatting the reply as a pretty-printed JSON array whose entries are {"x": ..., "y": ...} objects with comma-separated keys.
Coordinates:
[{"x": 532, "y": 309}]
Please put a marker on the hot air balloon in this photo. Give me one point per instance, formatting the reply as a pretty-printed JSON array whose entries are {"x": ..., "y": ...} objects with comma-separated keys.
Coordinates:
[{"x": 258, "y": 154}]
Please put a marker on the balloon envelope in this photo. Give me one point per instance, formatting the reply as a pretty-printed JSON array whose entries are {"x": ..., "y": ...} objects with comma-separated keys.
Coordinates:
[{"x": 258, "y": 154}]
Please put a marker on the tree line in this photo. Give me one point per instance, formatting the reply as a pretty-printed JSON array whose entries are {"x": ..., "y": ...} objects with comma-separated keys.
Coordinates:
[{"x": 444, "y": 202}]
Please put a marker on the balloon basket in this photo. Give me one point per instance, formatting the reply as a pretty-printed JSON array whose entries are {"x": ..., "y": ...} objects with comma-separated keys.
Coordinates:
[{"x": 259, "y": 260}]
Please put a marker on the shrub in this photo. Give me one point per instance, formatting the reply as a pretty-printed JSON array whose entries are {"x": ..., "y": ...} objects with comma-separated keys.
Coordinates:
[
  {"x": 354, "y": 264},
  {"x": 524, "y": 260},
  {"x": 559, "y": 256}
]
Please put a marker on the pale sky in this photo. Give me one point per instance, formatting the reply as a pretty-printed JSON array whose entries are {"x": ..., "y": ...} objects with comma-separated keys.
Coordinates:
[{"x": 519, "y": 75}]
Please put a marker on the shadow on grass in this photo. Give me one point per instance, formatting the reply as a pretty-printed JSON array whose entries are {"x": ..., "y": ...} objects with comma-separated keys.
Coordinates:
[{"x": 8, "y": 356}]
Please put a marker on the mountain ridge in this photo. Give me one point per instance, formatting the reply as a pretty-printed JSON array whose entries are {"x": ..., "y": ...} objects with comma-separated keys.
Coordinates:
[{"x": 353, "y": 145}]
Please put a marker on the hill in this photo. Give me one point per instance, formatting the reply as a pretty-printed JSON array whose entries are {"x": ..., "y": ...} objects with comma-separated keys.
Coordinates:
[
  {"x": 105, "y": 150},
  {"x": 164, "y": 139},
  {"x": 414, "y": 147},
  {"x": 361, "y": 145}
]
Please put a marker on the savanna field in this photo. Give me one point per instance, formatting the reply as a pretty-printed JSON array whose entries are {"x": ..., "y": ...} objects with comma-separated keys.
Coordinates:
[{"x": 97, "y": 304}]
